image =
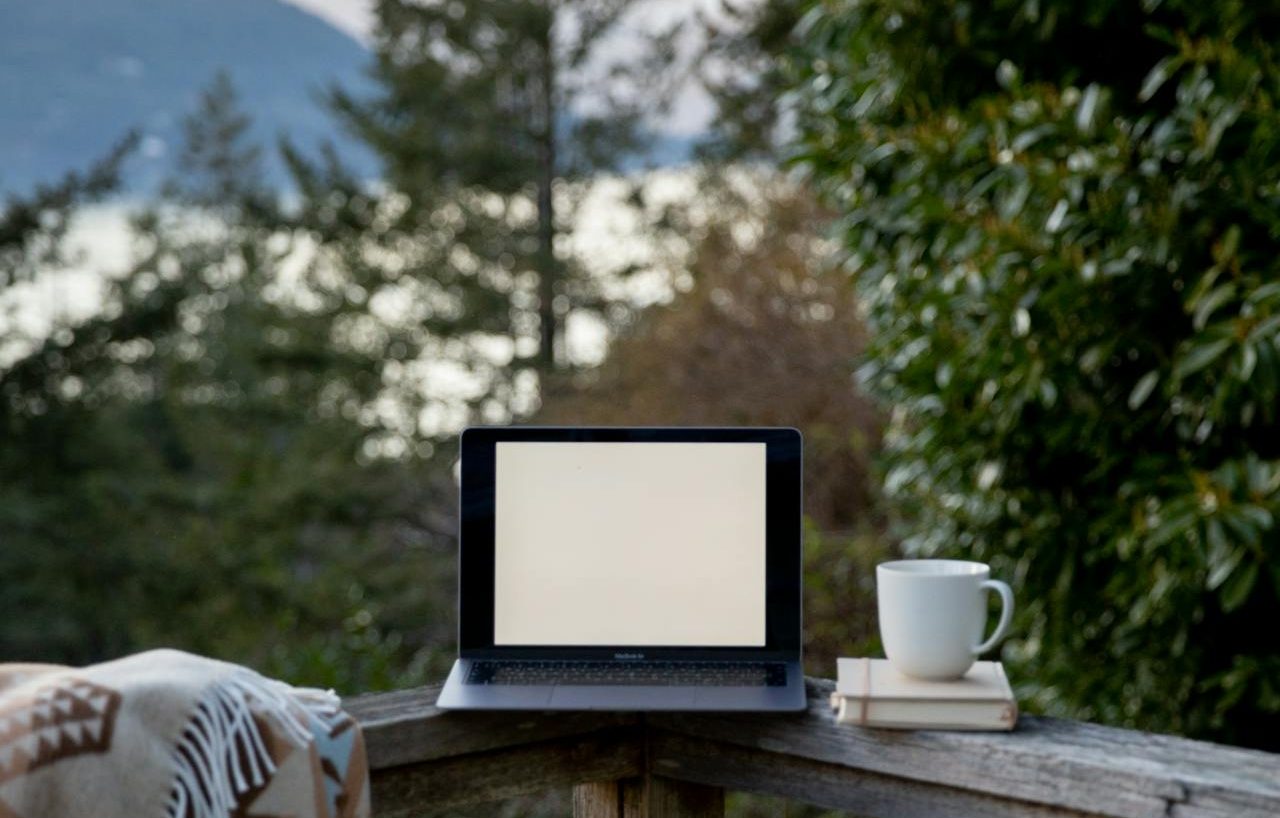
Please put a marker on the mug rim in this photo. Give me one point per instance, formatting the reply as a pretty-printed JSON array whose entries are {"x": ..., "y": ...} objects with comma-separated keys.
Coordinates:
[{"x": 920, "y": 568}]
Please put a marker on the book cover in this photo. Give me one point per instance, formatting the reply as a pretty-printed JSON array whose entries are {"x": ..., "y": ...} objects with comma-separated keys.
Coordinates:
[{"x": 869, "y": 692}]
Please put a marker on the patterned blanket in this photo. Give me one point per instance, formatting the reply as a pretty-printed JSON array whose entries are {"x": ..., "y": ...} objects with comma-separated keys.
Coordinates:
[{"x": 165, "y": 734}]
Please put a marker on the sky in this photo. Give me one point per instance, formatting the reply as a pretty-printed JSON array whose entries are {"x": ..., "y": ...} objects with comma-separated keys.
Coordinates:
[
  {"x": 690, "y": 111},
  {"x": 355, "y": 17}
]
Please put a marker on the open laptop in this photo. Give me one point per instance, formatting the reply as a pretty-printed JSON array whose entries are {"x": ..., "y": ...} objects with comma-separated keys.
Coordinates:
[{"x": 629, "y": 569}]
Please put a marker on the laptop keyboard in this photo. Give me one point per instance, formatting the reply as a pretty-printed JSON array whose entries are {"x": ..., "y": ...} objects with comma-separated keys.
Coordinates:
[{"x": 667, "y": 674}]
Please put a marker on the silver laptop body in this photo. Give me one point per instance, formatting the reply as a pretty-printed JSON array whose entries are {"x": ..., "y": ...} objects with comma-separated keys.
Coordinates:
[{"x": 629, "y": 569}]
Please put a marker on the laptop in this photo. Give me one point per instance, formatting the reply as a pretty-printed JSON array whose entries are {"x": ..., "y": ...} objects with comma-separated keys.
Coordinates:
[{"x": 629, "y": 569}]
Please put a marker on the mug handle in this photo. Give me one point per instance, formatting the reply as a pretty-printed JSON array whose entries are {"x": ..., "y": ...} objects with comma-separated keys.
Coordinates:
[{"x": 1006, "y": 613}]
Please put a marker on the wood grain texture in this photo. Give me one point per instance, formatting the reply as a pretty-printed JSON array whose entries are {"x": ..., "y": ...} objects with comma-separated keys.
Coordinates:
[
  {"x": 406, "y": 727},
  {"x": 410, "y": 790},
  {"x": 597, "y": 799},
  {"x": 829, "y": 785},
  {"x": 1074, "y": 766},
  {"x": 648, "y": 797},
  {"x": 1047, "y": 767}
]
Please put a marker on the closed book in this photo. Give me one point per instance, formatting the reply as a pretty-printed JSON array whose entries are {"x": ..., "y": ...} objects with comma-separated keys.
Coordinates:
[{"x": 871, "y": 693}]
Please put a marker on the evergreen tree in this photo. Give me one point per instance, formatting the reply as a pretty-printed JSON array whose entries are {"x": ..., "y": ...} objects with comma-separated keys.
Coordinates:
[
  {"x": 740, "y": 68},
  {"x": 192, "y": 467},
  {"x": 47, "y": 446},
  {"x": 485, "y": 110},
  {"x": 279, "y": 421},
  {"x": 33, "y": 227}
]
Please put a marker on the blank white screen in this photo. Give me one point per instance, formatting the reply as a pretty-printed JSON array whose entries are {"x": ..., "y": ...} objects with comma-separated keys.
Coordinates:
[{"x": 629, "y": 544}]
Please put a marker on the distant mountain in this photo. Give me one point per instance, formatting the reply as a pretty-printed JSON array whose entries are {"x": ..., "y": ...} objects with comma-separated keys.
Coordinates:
[{"x": 75, "y": 75}]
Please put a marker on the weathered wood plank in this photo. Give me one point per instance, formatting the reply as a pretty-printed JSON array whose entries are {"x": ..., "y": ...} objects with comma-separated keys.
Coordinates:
[
  {"x": 406, "y": 727},
  {"x": 409, "y": 790},
  {"x": 1066, "y": 765},
  {"x": 1062, "y": 766},
  {"x": 830, "y": 785}
]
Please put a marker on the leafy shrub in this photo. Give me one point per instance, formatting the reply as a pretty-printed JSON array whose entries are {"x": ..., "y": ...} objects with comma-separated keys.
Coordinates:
[{"x": 1063, "y": 222}]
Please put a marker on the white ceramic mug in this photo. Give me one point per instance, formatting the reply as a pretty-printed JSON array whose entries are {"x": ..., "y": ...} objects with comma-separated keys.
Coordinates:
[{"x": 933, "y": 614}]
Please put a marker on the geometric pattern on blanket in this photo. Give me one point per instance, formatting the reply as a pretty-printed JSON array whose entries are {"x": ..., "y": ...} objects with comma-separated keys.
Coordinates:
[
  {"x": 165, "y": 734},
  {"x": 332, "y": 766},
  {"x": 65, "y": 719},
  {"x": 256, "y": 748}
]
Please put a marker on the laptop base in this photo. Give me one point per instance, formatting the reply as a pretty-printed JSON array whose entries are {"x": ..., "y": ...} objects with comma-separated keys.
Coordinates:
[{"x": 458, "y": 695}]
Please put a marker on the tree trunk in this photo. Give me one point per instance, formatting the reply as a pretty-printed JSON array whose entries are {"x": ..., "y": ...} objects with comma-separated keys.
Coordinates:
[{"x": 546, "y": 213}]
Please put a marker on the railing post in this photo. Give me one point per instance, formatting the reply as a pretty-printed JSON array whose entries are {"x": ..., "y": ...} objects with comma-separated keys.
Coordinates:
[
  {"x": 597, "y": 799},
  {"x": 650, "y": 796}
]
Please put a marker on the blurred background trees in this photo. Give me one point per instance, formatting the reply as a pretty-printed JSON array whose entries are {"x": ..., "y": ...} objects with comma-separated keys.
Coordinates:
[
  {"x": 487, "y": 118},
  {"x": 1063, "y": 223},
  {"x": 1044, "y": 246},
  {"x": 188, "y": 467},
  {"x": 262, "y": 415}
]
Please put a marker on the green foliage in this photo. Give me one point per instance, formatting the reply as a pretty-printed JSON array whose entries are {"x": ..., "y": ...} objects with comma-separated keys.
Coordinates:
[
  {"x": 221, "y": 166},
  {"x": 1063, "y": 221},
  {"x": 192, "y": 466},
  {"x": 740, "y": 70},
  {"x": 33, "y": 227},
  {"x": 485, "y": 112},
  {"x": 39, "y": 600}
]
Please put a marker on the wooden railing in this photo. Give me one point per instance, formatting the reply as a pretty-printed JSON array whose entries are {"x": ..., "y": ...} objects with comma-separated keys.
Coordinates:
[{"x": 623, "y": 765}]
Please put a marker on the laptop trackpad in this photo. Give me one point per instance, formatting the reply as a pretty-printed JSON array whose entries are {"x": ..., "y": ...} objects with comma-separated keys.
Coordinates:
[{"x": 616, "y": 697}]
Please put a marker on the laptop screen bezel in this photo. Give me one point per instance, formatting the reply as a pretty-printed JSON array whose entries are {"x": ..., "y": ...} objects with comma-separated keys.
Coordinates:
[{"x": 783, "y": 542}]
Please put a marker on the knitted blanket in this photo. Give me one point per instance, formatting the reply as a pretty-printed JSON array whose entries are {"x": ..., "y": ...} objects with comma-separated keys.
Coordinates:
[{"x": 165, "y": 734}]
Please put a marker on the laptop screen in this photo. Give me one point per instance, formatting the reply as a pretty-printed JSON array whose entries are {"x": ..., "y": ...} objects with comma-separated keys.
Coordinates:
[{"x": 626, "y": 543}]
